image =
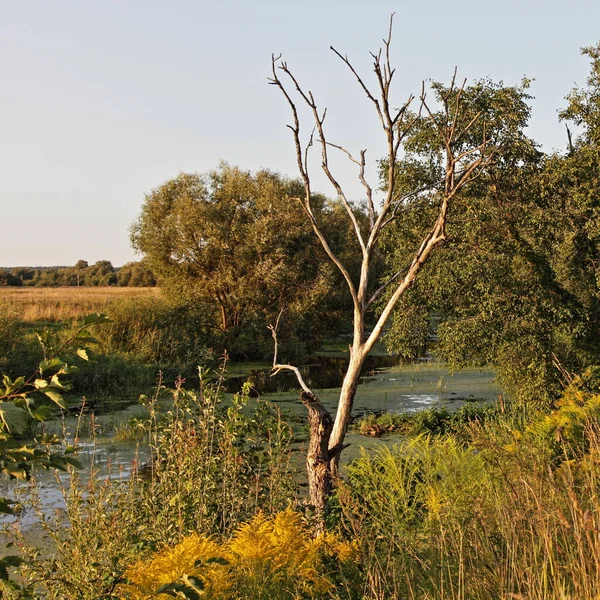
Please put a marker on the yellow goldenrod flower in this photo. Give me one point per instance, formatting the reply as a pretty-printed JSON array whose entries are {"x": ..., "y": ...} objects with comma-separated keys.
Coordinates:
[
  {"x": 170, "y": 564},
  {"x": 266, "y": 557}
]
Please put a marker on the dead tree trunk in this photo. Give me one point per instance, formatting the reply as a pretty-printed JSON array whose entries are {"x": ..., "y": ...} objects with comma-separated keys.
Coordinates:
[
  {"x": 318, "y": 457},
  {"x": 462, "y": 160}
]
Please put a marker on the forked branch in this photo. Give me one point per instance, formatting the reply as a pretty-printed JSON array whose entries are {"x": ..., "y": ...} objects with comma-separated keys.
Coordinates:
[{"x": 277, "y": 367}]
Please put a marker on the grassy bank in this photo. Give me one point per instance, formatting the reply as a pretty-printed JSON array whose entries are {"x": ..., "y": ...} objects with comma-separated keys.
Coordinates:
[{"x": 148, "y": 336}]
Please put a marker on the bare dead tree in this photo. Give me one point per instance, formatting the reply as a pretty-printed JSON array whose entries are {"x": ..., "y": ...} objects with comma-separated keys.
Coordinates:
[{"x": 327, "y": 435}]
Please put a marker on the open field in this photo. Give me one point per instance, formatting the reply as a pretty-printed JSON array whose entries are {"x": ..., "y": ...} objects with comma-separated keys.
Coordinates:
[{"x": 52, "y": 305}]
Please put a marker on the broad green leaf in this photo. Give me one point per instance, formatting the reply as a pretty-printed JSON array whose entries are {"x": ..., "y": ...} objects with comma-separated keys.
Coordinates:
[
  {"x": 53, "y": 364},
  {"x": 56, "y": 382},
  {"x": 95, "y": 319},
  {"x": 16, "y": 471},
  {"x": 187, "y": 586},
  {"x": 82, "y": 353},
  {"x": 73, "y": 462},
  {"x": 40, "y": 384},
  {"x": 13, "y": 417},
  {"x": 13, "y": 386},
  {"x": 41, "y": 413},
  {"x": 5, "y": 506},
  {"x": 55, "y": 397},
  {"x": 26, "y": 452}
]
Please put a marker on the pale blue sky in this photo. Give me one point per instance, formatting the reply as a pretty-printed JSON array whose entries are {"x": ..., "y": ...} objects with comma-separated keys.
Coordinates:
[{"x": 103, "y": 100}]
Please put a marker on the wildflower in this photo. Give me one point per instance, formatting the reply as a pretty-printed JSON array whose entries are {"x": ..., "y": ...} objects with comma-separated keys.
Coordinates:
[{"x": 191, "y": 556}]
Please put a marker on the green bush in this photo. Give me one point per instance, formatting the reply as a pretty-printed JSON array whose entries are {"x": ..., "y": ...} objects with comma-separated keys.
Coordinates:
[
  {"x": 9, "y": 334},
  {"x": 434, "y": 420},
  {"x": 505, "y": 508},
  {"x": 17, "y": 353}
]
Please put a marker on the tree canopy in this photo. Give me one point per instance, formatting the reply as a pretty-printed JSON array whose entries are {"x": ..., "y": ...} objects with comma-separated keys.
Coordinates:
[
  {"x": 516, "y": 285},
  {"x": 240, "y": 241}
]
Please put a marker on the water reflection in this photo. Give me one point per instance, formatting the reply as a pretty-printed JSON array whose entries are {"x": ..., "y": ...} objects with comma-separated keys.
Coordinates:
[
  {"x": 105, "y": 460},
  {"x": 322, "y": 372}
]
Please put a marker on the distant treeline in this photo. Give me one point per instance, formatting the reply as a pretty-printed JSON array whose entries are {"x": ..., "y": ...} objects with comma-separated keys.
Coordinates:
[{"x": 102, "y": 273}]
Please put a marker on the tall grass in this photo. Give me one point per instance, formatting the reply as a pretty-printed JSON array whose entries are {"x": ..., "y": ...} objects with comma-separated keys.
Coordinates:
[
  {"x": 155, "y": 330},
  {"x": 9, "y": 332},
  {"x": 513, "y": 513},
  {"x": 18, "y": 354},
  {"x": 212, "y": 467},
  {"x": 147, "y": 334}
]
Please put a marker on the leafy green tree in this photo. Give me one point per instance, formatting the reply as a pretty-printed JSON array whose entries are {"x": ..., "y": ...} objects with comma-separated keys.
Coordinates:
[
  {"x": 135, "y": 274},
  {"x": 516, "y": 285},
  {"x": 8, "y": 279},
  {"x": 235, "y": 238},
  {"x": 479, "y": 282},
  {"x": 102, "y": 273},
  {"x": 80, "y": 266}
]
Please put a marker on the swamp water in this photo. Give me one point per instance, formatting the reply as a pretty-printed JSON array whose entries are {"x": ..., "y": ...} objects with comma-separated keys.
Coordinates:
[{"x": 385, "y": 386}]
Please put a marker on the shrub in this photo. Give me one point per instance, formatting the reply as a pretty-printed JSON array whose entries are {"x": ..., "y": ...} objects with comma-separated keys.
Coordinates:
[
  {"x": 504, "y": 509},
  {"x": 267, "y": 558},
  {"x": 213, "y": 465},
  {"x": 16, "y": 354},
  {"x": 435, "y": 421}
]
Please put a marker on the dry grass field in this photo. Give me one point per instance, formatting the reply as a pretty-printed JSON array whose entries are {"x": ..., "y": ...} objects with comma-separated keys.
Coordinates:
[{"x": 41, "y": 304}]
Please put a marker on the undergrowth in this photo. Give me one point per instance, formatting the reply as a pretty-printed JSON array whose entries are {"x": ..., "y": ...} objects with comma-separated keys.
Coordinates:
[
  {"x": 507, "y": 509},
  {"x": 495, "y": 504},
  {"x": 212, "y": 466},
  {"x": 435, "y": 420}
]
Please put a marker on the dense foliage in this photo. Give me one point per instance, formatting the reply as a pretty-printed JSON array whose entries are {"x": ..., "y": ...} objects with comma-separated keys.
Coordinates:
[
  {"x": 517, "y": 283},
  {"x": 212, "y": 465},
  {"x": 241, "y": 244}
]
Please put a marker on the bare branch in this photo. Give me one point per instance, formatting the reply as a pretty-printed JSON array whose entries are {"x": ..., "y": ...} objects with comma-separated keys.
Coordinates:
[
  {"x": 385, "y": 285},
  {"x": 277, "y": 368},
  {"x": 362, "y": 84},
  {"x": 369, "y": 190},
  {"x": 346, "y": 152},
  {"x": 469, "y": 125},
  {"x": 301, "y": 157},
  {"x": 319, "y": 120},
  {"x": 456, "y": 105},
  {"x": 361, "y": 164},
  {"x": 388, "y": 43}
]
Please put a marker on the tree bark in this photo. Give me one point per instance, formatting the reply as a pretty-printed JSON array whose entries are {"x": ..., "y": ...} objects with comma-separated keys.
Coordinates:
[
  {"x": 318, "y": 458},
  {"x": 344, "y": 410}
]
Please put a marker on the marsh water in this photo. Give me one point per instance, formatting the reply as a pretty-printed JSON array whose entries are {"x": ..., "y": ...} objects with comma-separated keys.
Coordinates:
[
  {"x": 385, "y": 386},
  {"x": 320, "y": 372}
]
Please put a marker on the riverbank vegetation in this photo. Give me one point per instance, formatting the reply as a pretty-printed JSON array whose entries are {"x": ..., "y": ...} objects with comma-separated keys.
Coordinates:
[
  {"x": 498, "y": 505},
  {"x": 82, "y": 274}
]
